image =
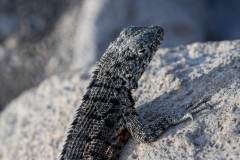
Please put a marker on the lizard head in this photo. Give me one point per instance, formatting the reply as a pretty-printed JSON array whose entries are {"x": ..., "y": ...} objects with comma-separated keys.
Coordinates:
[
  {"x": 137, "y": 46},
  {"x": 128, "y": 56}
]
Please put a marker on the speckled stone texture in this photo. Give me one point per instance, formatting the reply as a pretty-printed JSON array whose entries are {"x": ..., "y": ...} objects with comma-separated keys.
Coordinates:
[{"x": 34, "y": 126}]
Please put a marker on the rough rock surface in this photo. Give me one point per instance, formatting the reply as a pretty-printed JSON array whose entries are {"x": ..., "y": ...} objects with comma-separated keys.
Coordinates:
[{"x": 34, "y": 125}]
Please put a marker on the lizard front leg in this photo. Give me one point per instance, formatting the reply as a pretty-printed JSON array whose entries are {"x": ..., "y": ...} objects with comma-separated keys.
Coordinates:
[{"x": 148, "y": 133}]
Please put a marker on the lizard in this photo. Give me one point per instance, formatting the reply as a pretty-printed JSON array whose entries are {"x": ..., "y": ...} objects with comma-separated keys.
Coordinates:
[{"x": 107, "y": 116}]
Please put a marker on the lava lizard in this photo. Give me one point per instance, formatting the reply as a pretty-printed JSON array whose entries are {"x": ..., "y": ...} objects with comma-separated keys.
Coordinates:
[{"x": 107, "y": 117}]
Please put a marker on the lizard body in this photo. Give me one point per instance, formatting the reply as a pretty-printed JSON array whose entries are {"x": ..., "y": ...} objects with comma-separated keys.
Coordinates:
[{"x": 107, "y": 117}]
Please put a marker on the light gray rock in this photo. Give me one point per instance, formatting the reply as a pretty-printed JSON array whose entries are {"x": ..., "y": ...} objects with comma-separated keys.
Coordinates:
[
  {"x": 34, "y": 125},
  {"x": 187, "y": 74}
]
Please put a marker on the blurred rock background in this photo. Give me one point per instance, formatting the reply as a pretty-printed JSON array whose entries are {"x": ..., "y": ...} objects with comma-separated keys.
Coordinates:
[{"x": 44, "y": 37}]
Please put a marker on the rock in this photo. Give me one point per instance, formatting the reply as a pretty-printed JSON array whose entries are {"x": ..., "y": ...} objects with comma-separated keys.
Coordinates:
[
  {"x": 41, "y": 118},
  {"x": 186, "y": 74},
  {"x": 35, "y": 125}
]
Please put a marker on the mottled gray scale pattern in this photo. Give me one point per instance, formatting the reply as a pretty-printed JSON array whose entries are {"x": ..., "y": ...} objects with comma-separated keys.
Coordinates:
[{"x": 107, "y": 117}]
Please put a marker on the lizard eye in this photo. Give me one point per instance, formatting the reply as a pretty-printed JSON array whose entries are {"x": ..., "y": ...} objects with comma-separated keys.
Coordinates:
[
  {"x": 158, "y": 32},
  {"x": 141, "y": 52}
]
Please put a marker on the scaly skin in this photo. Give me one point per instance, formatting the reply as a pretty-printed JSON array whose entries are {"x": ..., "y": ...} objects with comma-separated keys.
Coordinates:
[{"x": 107, "y": 117}]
